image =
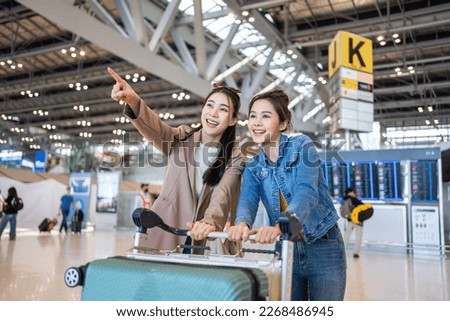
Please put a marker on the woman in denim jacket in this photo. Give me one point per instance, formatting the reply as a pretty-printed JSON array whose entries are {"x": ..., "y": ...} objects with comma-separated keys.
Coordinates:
[{"x": 286, "y": 176}]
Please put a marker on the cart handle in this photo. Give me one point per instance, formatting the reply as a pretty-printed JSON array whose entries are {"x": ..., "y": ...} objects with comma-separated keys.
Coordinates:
[{"x": 145, "y": 218}]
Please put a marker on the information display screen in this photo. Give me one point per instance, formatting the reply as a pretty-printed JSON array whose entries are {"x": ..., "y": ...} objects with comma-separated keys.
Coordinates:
[
  {"x": 372, "y": 180},
  {"x": 424, "y": 181},
  {"x": 389, "y": 180},
  {"x": 365, "y": 180},
  {"x": 336, "y": 178}
]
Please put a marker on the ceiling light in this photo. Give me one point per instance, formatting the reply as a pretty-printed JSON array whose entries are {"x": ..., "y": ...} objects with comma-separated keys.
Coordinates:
[
  {"x": 40, "y": 112},
  {"x": 85, "y": 134},
  {"x": 420, "y": 109},
  {"x": 135, "y": 78},
  {"x": 181, "y": 96},
  {"x": 29, "y": 93},
  {"x": 430, "y": 108},
  {"x": 83, "y": 123},
  {"x": 78, "y": 86},
  {"x": 81, "y": 108},
  {"x": 74, "y": 53},
  {"x": 17, "y": 130},
  {"x": 122, "y": 120},
  {"x": 49, "y": 127},
  {"x": 11, "y": 64},
  {"x": 383, "y": 41},
  {"x": 407, "y": 70}
]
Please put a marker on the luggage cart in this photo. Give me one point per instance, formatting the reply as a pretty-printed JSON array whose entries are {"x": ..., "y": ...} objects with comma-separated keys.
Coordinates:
[{"x": 149, "y": 274}]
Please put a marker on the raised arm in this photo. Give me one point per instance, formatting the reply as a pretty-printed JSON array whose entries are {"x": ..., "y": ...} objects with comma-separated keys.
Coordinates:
[{"x": 146, "y": 121}]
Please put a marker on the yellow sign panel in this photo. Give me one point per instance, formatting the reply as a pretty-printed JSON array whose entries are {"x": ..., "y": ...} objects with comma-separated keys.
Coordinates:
[
  {"x": 349, "y": 83},
  {"x": 350, "y": 50}
]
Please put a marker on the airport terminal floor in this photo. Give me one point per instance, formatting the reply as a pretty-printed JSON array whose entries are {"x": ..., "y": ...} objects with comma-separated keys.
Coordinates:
[{"x": 32, "y": 267}]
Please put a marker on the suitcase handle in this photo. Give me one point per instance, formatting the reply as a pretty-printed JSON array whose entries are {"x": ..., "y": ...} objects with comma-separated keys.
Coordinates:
[
  {"x": 244, "y": 250},
  {"x": 195, "y": 247}
]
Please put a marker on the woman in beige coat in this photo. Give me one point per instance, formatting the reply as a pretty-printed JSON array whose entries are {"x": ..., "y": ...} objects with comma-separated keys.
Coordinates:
[{"x": 203, "y": 175}]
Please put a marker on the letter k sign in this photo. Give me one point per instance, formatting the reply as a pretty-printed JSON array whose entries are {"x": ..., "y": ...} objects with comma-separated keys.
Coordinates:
[{"x": 355, "y": 51}]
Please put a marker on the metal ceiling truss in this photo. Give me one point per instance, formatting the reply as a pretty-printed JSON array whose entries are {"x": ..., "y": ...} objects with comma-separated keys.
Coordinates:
[
  {"x": 197, "y": 59},
  {"x": 155, "y": 37}
]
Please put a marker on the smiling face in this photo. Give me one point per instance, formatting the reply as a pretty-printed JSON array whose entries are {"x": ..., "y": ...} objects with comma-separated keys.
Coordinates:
[
  {"x": 264, "y": 123},
  {"x": 217, "y": 115}
]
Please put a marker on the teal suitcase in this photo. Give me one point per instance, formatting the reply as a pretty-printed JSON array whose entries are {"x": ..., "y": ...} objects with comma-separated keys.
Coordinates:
[
  {"x": 151, "y": 275},
  {"x": 128, "y": 279}
]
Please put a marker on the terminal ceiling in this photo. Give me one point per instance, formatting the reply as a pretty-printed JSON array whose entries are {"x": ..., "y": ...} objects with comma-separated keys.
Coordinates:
[{"x": 174, "y": 50}]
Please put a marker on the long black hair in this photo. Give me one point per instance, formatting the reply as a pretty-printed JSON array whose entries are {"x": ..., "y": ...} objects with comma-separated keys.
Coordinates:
[
  {"x": 215, "y": 172},
  {"x": 12, "y": 192}
]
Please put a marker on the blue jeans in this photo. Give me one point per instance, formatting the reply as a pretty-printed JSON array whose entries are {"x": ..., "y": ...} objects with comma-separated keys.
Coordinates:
[
  {"x": 12, "y": 219},
  {"x": 65, "y": 214},
  {"x": 319, "y": 271}
]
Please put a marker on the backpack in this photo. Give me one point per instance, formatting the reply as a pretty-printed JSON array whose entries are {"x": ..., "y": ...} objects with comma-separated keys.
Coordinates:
[
  {"x": 346, "y": 208},
  {"x": 17, "y": 204},
  {"x": 361, "y": 213}
]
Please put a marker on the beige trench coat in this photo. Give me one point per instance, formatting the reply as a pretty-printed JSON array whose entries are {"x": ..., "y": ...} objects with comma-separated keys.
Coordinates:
[{"x": 177, "y": 202}]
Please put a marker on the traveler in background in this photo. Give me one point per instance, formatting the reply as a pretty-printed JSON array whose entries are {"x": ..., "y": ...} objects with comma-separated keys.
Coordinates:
[
  {"x": 286, "y": 176},
  {"x": 78, "y": 217},
  {"x": 350, "y": 202},
  {"x": 2, "y": 204},
  {"x": 144, "y": 199},
  {"x": 203, "y": 174},
  {"x": 13, "y": 205},
  {"x": 64, "y": 209}
]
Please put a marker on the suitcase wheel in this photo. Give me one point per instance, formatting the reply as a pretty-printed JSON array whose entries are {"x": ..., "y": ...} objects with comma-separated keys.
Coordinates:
[{"x": 73, "y": 277}]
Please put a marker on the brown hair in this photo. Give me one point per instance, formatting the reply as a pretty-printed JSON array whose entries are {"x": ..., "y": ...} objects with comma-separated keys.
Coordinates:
[{"x": 279, "y": 100}]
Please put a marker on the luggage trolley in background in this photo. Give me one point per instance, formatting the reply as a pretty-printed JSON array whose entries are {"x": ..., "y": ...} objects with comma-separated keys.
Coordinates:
[{"x": 152, "y": 275}]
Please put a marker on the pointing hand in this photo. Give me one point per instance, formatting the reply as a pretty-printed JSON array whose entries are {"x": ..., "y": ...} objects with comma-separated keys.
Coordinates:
[{"x": 122, "y": 91}]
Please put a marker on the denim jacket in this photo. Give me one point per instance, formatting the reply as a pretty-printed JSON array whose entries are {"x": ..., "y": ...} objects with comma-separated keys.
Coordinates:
[{"x": 299, "y": 175}]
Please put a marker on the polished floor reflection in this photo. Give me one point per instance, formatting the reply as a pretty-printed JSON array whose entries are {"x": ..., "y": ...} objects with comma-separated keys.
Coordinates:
[{"x": 32, "y": 267}]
